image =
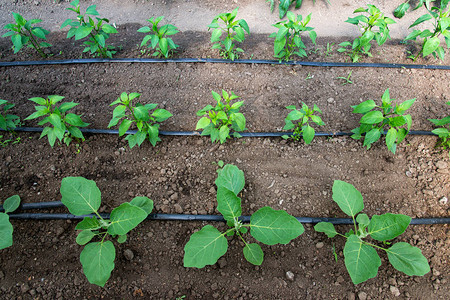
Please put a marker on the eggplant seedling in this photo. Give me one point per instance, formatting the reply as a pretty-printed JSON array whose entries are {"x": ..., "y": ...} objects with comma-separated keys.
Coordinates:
[
  {"x": 360, "y": 256},
  {"x": 82, "y": 197},
  {"x": 373, "y": 122},
  {"x": 221, "y": 118},
  {"x": 267, "y": 225},
  {"x": 6, "y": 229}
]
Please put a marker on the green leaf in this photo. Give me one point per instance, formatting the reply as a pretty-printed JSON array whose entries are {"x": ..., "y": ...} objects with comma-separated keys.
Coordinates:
[
  {"x": 144, "y": 203},
  {"x": 240, "y": 120},
  {"x": 391, "y": 137},
  {"x": 84, "y": 237},
  {"x": 253, "y": 254},
  {"x": 408, "y": 259},
  {"x": 91, "y": 10},
  {"x": 122, "y": 239},
  {"x": 231, "y": 178},
  {"x": 327, "y": 228},
  {"x": 400, "y": 11},
  {"x": 80, "y": 195},
  {"x": 362, "y": 261},
  {"x": 124, "y": 126},
  {"x": 430, "y": 45},
  {"x": 364, "y": 107},
  {"x": 204, "y": 247},
  {"x": 91, "y": 223},
  {"x": 363, "y": 219},
  {"x": 224, "y": 132},
  {"x": 422, "y": 19},
  {"x": 348, "y": 198},
  {"x": 161, "y": 115},
  {"x": 125, "y": 217},
  {"x": 97, "y": 260},
  {"x": 109, "y": 29},
  {"x": 388, "y": 226},
  {"x": 11, "y": 204},
  {"x": 371, "y": 137},
  {"x": 163, "y": 45},
  {"x": 75, "y": 120},
  {"x": 308, "y": 134},
  {"x": 272, "y": 227},
  {"x": 202, "y": 123},
  {"x": 82, "y": 32},
  {"x": 372, "y": 117},
  {"x": 6, "y": 231},
  {"x": 17, "y": 42},
  {"x": 215, "y": 36},
  {"x": 141, "y": 113},
  {"x": 228, "y": 204}
]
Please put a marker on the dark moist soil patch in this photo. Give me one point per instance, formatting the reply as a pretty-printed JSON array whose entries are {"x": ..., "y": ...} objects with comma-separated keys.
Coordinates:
[{"x": 179, "y": 173}]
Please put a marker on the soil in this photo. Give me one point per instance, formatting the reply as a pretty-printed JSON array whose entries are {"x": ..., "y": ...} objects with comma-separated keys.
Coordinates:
[{"x": 179, "y": 173}]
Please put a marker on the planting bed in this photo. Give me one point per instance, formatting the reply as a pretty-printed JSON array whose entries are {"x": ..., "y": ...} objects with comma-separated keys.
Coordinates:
[{"x": 179, "y": 173}]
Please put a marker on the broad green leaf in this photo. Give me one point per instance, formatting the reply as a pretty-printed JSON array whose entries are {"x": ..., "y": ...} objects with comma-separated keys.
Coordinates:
[
  {"x": 362, "y": 261},
  {"x": 391, "y": 137},
  {"x": 80, "y": 195},
  {"x": 308, "y": 134},
  {"x": 371, "y": 137},
  {"x": 144, "y": 203},
  {"x": 202, "y": 123},
  {"x": 228, "y": 204},
  {"x": 163, "y": 45},
  {"x": 363, "y": 219},
  {"x": 408, "y": 259},
  {"x": 400, "y": 11},
  {"x": 6, "y": 231},
  {"x": 97, "y": 260},
  {"x": 82, "y": 32},
  {"x": 240, "y": 120},
  {"x": 161, "y": 115},
  {"x": 124, "y": 126},
  {"x": 122, "y": 239},
  {"x": 388, "y": 226},
  {"x": 91, "y": 10},
  {"x": 231, "y": 178},
  {"x": 11, "y": 204},
  {"x": 75, "y": 120},
  {"x": 204, "y": 247},
  {"x": 327, "y": 228},
  {"x": 272, "y": 227},
  {"x": 109, "y": 29},
  {"x": 441, "y": 132},
  {"x": 125, "y": 217},
  {"x": 348, "y": 198},
  {"x": 141, "y": 113},
  {"x": 372, "y": 117},
  {"x": 430, "y": 45},
  {"x": 364, "y": 107},
  {"x": 421, "y": 19},
  {"x": 224, "y": 132},
  {"x": 215, "y": 36},
  {"x": 84, "y": 237},
  {"x": 91, "y": 223},
  {"x": 405, "y": 105},
  {"x": 253, "y": 254}
]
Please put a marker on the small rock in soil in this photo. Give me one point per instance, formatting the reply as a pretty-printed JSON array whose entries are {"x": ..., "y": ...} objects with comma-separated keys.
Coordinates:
[
  {"x": 394, "y": 290},
  {"x": 178, "y": 208},
  {"x": 441, "y": 165},
  {"x": 351, "y": 296},
  {"x": 362, "y": 296},
  {"x": 25, "y": 288},
  {"x": 290, "y": 276},
  {"x": 443, "y": 200},
  {"x": 129, "y": 255},
  {"x": 319, "y": 245},
  {"x": 222, "y": 263}
]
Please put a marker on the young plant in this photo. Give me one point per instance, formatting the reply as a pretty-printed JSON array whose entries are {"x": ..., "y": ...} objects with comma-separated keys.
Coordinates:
[
  {"x": 361, "y": 258},
  {"x": 372, "y": 27},
  {"x": 8, "y": 122},
  {"x": 346, "y": 80},
  {"x": 6, "y": 229},
  {"x": 441, "y": 23},
  {"x": 24, "y": 33},
  {"x": 146, "y": 120},
  {"x": 267, "y": 225},
  {"x": 163, "y": 45},
  {"x": 443, "y": 132},
  {"x": 288, "y": 40},
  {"x": 302, "y": 128},
  {"x": 98, "y": 31},
  {"x": 221, "y": 118},
  {"x": 373, "y": 121},
  {"x": 234, "y": 30},
  {"x": 65, "y": 125},
  {"x": 82, "y": 197}
]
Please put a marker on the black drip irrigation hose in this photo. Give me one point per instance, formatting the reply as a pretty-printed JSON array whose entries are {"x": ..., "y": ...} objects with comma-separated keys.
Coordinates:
[
  {"x": 197, "y": 133},
  {"x": 178, "y": 217},
  {"x": 215, "y": 60}
]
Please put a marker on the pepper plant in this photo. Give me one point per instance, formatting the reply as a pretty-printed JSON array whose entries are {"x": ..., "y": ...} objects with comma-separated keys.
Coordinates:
[
  {"x": 221, "y": 118},
  {"x": 360, "y": 256},
  {"x": 146, "y": 121},
  {"x": 302, "y": 128},
  {"x": 267, "y": 225},
  {"x": 82, "y": 197},
  {"x": 97, "y": 30},
  {"x": 24, "y": 33},
  {"x": 234, "y": 30},
  {"x": 443, "y": 132},
  {"x": 65, "y": 125},
  {"x": 8, "y": 122},
  {"x": 6, "y": 229},
  {"x": 374, "y": 26},
  {"x": 440, "y": 17},
  {"x": 159, "y": 39},
  {"x": 373, "y": 121},
  {"x": 288, "y": 40},
  {"x": 284, "y": 5}
]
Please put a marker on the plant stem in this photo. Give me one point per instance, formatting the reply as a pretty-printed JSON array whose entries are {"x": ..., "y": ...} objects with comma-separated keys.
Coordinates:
[{"x": 36, "y": 45}]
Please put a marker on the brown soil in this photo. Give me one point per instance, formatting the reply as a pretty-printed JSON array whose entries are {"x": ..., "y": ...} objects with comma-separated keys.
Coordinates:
[{"x": 179, "y": 173}]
